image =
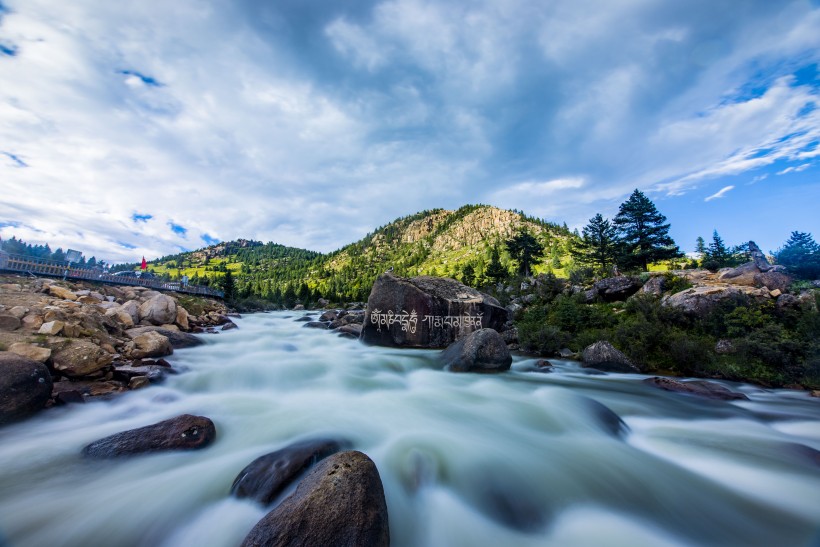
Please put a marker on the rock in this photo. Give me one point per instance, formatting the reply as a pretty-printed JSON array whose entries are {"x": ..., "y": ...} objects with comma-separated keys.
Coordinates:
[
  {"x": 68, "y": 397},
  {"x": 758, "y": 258},
  {"x": 773, "y": 280},
  {"x": 267, "y": 476},
  {"x": 304, "y": 319},
  {"x": 185, "y": 432},
  {"x": 429, "y": 312},
  {"x": 52, "y": 328},
  {"x": 158, "y": 310},
  {"x": 775, "y": 293},
  {"x": 61, "y": 292},
  {"x": 81, "y": 358},
  {"x": 613, "y": 289},
  {"x": 603, "y": 356},
  {"x": 89, "y": 300},
  {"x": 299, "y": 307},
  {"x": 32, "y": 321},
  {"x": 699, "y": 301},
  {"x": 152, "y": 373},
  {"x": 329, "y": 315},
  {"x": 229, "y": 326},
  {"x": 353, "y": 329},
  {"x": 654, "y": 286},
  {"x": 9, "y": 322},
  {"x": 316, "y": 325},
  {"x": 542, "y": 365},
  {"x": 35, "y": 353},
  {"x": 340, "y": 502},
  {"x": 701, "y": 388},
  {"x": 480, "y": 351},
  {"x": 724, "y": 347},
  {"x": 178, "y": 339},
  {"x": 25, "y": 387},
  {"x": 815, "y": 393},
  {"x": 151, "y": 344},
  {"x": 182, "y": 318},
  {"x": 118, "y": 315},
  {"x": 132, "y": 308},
  {"x": 742, "y": 275},
  {"x": 18, "y": 311},
  {"x": 785, "y": 301},
  {"x": 138, "y": 382},
  {"x": 566, "y": 353}
]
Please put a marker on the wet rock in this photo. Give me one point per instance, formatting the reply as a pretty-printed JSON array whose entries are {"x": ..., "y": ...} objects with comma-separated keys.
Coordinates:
[
  {"x": 353, "y": 329},
  {"x": 316, "y": 325},
  {"x": 9, "y": 322},
  {"x": 229, "y": 326},
  {"x": 25, "y": 387},
  {"x": 81, "y": 358},
  {"x": 305, "y": 318},
  {"x": 177, "y": 339},
  {"x": 603, "y": 356},
  {"x": 542, "y": 365},
  {"x": 158, "y": 310},
  {"x": 267, "y": 476},
  {"x": 424, "y": 311},
  {"x": 480, "y": 351},
  {"x": 613, "y": 289},
  {"x": 340, "y": 502},
  {"x": 185, "y": 432},
  {"x": 700, "y": 388},
  {"x": 69, "y": 397},
  {"x": 152, "y": 373},
  {"x": 182, "y": 318},
  {"x": 329, "y": 315},
  {"x": 609, "y": 421},
  {"x": 138, "y": 382},
  {"x": 35, "y": 353},
  {"x": 151, "y": 344}
]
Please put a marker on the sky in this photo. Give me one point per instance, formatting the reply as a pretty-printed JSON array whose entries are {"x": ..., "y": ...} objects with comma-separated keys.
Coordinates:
[{"x": 132, "y": 129}]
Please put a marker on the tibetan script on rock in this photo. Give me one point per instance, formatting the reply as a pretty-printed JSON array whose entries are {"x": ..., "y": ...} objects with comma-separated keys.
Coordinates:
[{"x": 408, "y": 321}]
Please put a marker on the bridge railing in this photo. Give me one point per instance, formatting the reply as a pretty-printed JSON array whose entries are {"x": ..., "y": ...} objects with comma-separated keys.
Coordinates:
[{"x": 56, "y": 268}]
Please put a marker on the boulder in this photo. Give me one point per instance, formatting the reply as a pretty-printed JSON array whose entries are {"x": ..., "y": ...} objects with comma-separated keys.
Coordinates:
[
  {"x": 742, "y": 275},
  {"x": 700, "y": 388},
  {"x": 613, "y": 289},
  {"x": 353, "y": 329},
  {"x": 18, "y": 311},
  {"x": 603, "y": 356},
  {"x": 25, "y": 387},
  {"x": 29, "y": 351},
  {"x": 132, "y": 308},
  {"x": 81, "y": 358},
  {"x": 151, "y": 344},
  {"x": 178, "y": 339},
  {"x": 427, "y": 312},
  {"x": 267, "y": 476},
  {"x": 182, "y": 318},
  {"x": 9, "y": 322},
  {"x": 329, "y": 315},
  {"x": 773, "y": 280},
  {"x": 758, "y": 258},
  {"x": 158, "y": 310},
  {"x": 52, "y": 328},
  {"x": 316, "y": 325},
  {"x": 61, "y": 292},
  {"x": 339, "y": 502},
  {"x": 230, "y": 325},
  {"x": 480, "y": 351},
  {"x": 139, "y": 382},
  {"x": 185, "y": 432},
  {"x": 121, "y": 317},
  {"x": 654, "y": 286},
  {"x": 725, "y": 347},
  {"x": 33, "y": 321},
  {"x": 699, "y": 301}
]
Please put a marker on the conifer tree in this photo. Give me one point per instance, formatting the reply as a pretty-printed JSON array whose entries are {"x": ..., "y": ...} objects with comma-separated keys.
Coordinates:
[
  {"x": 598, "y": 245},
  {"x": 800, "y": 255},
  {"x": 228, "y": 286},
  {"x": 644, "y": 236},
  {"x": 495, "y": 272},
  {"x": 525, "y": 250},
  {"x": 468, "y": 275}
]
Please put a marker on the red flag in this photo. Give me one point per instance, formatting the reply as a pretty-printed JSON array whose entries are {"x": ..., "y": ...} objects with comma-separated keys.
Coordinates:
[{"x": 144, "y": 264}]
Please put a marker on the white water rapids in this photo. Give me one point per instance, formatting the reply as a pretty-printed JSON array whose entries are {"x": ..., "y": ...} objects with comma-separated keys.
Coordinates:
[{"x": 522, "y": 458}]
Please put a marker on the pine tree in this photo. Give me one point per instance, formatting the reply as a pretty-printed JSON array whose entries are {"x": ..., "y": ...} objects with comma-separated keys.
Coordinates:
[
  {"x": 716, "y": 255},
  {"x": 468, "y": 275},
  {"x": 644, "y": 237},
  {"x": 700, "y": 246},
  {"x": 525, "y": 250},
  {"x": 228, "y": 286},
  {"x": 495, "y": 272},
  {"x": 800, "y": 255},
  {"x": 598, "y": 246}
]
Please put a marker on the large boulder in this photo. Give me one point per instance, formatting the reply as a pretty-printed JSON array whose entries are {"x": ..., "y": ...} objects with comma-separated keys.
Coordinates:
[
  {"x": 151, "y": 344},
  {"x": 160, "y": 309},
  {"x": 132, "y": 308},
  {"x": 267, "y": 476},
  {"x": 25, "y": 387},
  {"x": 480, "y": 351},
  {"x": 185, "y": 432},
  {"x": 700, "y": 388},
  {"x": 742, "y": 275},
  {"x": 80, "y": 358},
  {"x": 427, "y": 312},
  {"x": 603, "y": 356},
  {"x": 177, "y": 339},
  {"x": 9, "y": 322},
  {"x": 699, "y": 301},
  {"x": 61, "y": 292},
  {"x": 613, "y": 289},
  {"x": 773, "y": 280},
  {"x": 339, "y": 502},
  {"x": 654, "y": 286},
  {"x": 30, "y": 351}
]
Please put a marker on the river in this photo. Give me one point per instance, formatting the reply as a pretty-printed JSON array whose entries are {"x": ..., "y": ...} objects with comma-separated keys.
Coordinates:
[{"x": 522, "y": 458}]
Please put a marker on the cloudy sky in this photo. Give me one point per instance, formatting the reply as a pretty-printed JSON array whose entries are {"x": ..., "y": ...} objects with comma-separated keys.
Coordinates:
[{"x": 144, "y": 127}]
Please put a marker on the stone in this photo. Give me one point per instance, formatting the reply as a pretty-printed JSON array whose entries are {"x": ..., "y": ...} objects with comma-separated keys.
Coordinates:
[
  {"x": 542, "y": 365},
  {"x": 72, "y": 330},
  {"x": 773, "y": 280},
  {"x": 68, "y": 397},
  {"x": 775, "y": 293},
  {"x": 151, "y": 373},
  {"x": 89, "y": 300},
  {"x": 32, "y": 321},
  {"x": 132, "y": 308},
  {"x": 299, "y": 307},
  {"x": 61, "y": 292},
  {"x": 178, "y": 339},
  {"x": 340, "y": 502},
  {"x": 182, "y": 318},
  {"x": 230, "y": 325},
  {"x": 267, "y": 476},
  {"x": 329, "y": 315},
  {"x": 724, "y": 347},
  {"x": 655, "y": 286},
  {"x": 138, "y": 382},
  {"x": 80, "y": 358},
  {"x": 158, "y": 310},
  {"x": 185, "y": 432},
  {"x": 742, "y": 275},
  {"x": 481, "y": 351},
  {"x": 613, "y": 289},
  {"x": 25, "y": 387},
  {"x": 700, "y": 388},
  {"x": 427, "y": 312},
  {"x": 29, "y": 351},
  {"x": 120, "y": 317},
  {"x": 698, "y": 301},
  {"x": 151, "y": 344},
  {"x": 18, "y": 311},
  {"x": 316, "y": 325},
  {"x": 758, "y": 258},
  {"x": 603, "y": 356},
  {"x": 353, "y": 329},
  {"x": 52, "y": 328},
  {"x": 9, "y": 322}
]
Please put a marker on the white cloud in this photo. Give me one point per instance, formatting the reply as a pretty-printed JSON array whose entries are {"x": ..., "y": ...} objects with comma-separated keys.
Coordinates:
[
  {"x": 720, "y": 193},
  {"x": 794, "y": 169}
]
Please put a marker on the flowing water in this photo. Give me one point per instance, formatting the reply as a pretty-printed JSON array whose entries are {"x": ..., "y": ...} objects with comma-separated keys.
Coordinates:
[{"x": 522, "y": 458}]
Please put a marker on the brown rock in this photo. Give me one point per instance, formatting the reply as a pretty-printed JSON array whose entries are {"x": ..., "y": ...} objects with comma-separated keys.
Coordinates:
[
  {"x": 25, "y": 387},
  {"x": 151, "y": 344},
  {"x": 185, "y": 432},
  {"x": 18, "y": 311},
  {"x": 178, "y": 339},
  {"x": 138, "y": 382},
  {"x": 89, "y": 300},
  {"x": 52, "y": 328},
  {"x": 773, "y": 280},
  {"x": 158, "y": 310},
  {"x": 9, "y": 322},
  {"x": 340, "y": 502},
  {"x": 32, "y": 321},
  {"x": 182, "y": 318},
  {"x": 81, "y": 358},
  {"x": 35, "y": 353},
  {"x": 132, "y": 308},
  {"x": 61, "y": 292},
  {"x": 480, "y": 351}
]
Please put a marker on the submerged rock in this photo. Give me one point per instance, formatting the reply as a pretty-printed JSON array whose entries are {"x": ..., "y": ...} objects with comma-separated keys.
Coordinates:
[
  {"x": 185, "y": 432},
  {"x": 700, "y": 388},
  {"x": 480, "y": 351},
  {"x": 267, "y": 476},
  {"x": 339, "y": 502},
  {"x": 25, "y": 387},
  {"x": 427, "y": 312},
  {"x": 603, "y": 356}
]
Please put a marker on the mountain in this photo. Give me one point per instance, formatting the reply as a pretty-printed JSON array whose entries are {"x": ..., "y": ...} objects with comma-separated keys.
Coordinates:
[{"x": 434, "y": 242}]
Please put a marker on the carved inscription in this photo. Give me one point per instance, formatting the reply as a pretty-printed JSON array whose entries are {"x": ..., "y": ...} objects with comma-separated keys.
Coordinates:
[{"x": 408, "y": 321}]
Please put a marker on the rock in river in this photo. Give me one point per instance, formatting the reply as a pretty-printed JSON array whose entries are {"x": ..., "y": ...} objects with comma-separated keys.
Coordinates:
[
  {"x": 480, "y": 351},
  {"x": 185, "y": 432},
  {"x": 701, "y": 388},
  {"x": 603, "y": 356},
  {"x": 339, "y": 502},
  {"x": 25, "y": 387}
]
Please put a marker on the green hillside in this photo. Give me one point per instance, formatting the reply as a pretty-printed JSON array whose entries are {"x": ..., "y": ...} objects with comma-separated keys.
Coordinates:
[{"x": 435, "y": 242}]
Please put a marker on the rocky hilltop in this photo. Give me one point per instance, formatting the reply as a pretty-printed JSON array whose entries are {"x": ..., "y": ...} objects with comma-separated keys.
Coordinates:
[{"x": 89, "y": 340}]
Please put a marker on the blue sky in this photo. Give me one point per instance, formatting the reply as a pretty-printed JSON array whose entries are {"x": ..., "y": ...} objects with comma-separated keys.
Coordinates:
[{"x": 143, "y": 128}]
